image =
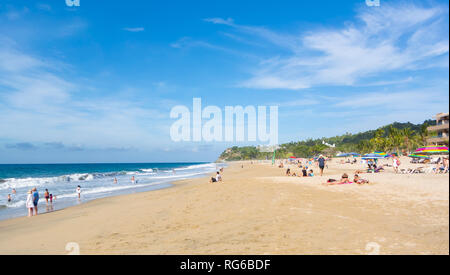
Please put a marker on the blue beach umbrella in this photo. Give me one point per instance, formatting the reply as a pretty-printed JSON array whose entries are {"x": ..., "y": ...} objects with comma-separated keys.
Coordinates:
[{"x": 373, "y": 156}]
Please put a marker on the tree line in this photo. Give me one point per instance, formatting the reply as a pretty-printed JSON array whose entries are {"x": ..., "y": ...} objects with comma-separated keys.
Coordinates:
[{"x": 401, "y": 138}]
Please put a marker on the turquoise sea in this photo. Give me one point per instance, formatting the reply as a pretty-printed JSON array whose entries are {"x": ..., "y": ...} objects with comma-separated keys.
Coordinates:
[{"x": 96, "y": 181}]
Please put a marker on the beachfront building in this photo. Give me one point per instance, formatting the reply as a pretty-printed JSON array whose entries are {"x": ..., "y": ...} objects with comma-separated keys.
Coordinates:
[{"x": 441, "y": 130}]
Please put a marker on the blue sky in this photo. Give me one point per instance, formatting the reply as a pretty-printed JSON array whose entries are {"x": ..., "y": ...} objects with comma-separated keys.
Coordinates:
[{"x": 96, "y": 83}]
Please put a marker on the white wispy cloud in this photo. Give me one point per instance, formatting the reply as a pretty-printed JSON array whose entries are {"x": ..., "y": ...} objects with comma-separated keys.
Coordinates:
[
  {"x": 44, "y": 7},
  {"x": 392, "y": 38},
  {"x": 41, "y": 100},
  {"x": 137, "y": 29},
  {"x": 220, "y": 21}
]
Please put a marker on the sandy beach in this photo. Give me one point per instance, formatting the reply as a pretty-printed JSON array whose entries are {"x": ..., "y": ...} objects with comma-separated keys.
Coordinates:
[{"x": 255, "y": 210}]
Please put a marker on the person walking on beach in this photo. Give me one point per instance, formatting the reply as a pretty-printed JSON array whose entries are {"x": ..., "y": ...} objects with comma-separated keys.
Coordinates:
[
  {"x": 321, "y": 162},
  {"x": 46, "y": 196},
  {"x": 29, "y": 203},
  {"x": 395, "y": 164},
  {"x": 79, "y": 191},
  {"x": 35, "y": 200}
]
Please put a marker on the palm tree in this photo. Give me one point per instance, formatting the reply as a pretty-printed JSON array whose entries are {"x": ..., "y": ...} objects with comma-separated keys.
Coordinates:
[
  {"x": 395, "y": 138},
  {"x": 407, "y": 136},
  {"x": 423, "y": 134}
]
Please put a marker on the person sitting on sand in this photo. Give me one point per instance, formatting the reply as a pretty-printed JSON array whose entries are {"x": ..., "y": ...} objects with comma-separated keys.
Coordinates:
[
  {"x": 288, "y": 172},
  {"x": 311, "y": 173},
  {"x": 217, "y": 178},
  {"x": 359, "y": 180},
  {"x": 294, "y": 174},
  {"x": 304, "y": 171}
]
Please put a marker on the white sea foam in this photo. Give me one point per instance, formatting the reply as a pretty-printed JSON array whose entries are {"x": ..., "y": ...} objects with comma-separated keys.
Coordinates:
[
  {"x": 94, "y": 185},
  {"x": 198, "y": 166}
]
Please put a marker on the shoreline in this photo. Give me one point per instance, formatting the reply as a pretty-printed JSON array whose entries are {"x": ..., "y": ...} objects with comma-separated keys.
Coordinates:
[
  {"x": 99, "y": 184},
  {"x": 256, "y": 210}
]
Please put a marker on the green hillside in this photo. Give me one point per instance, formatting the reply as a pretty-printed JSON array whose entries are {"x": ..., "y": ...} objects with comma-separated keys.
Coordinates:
[{"x": 396, "y": 137}]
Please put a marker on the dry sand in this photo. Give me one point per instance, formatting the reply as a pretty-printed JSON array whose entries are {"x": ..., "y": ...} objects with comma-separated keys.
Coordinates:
[{"x": 256, "y": 210}]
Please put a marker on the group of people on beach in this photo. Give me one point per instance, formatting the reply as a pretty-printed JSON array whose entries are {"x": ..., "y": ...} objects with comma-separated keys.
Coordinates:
[
  {"x": 32, "y": 200},
  {"x": 321, "y": 162},
  {"x": 305, "y": 172},
  {"x": 345, "y": 180}
]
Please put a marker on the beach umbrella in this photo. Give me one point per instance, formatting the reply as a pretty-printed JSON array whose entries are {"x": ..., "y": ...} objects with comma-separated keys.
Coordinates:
[
  {"x": 432, "y": 150},
  {"x": 418, "y": 156},
  {"x": 348, "y": 154},
  {"x": 373, "y": 156}
]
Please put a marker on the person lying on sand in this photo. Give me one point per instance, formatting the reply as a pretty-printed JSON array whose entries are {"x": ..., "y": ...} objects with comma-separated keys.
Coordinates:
[
  {"x": 344, "y": 180},
  {"x": 359, "y": 180}
]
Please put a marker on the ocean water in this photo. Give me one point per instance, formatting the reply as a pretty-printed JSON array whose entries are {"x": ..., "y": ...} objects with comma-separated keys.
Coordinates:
[{"x": 96, "y": 181}]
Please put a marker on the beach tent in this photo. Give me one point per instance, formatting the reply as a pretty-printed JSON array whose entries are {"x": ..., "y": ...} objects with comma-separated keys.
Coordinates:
[{"x": 432, "y": 150}]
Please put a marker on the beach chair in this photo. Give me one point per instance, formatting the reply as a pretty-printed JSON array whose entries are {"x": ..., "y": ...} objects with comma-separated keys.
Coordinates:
[{"x": 428, "y": 170}]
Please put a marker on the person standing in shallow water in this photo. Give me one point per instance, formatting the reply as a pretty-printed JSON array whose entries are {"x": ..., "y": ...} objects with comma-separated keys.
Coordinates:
[
  {"x": 29, "y": 203},
  {"x": 79, "y": 191},
  {"x": 46, "y": 196},
  {"x": 321, "y": 162},
  {"x": 35, "y": 200}
]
